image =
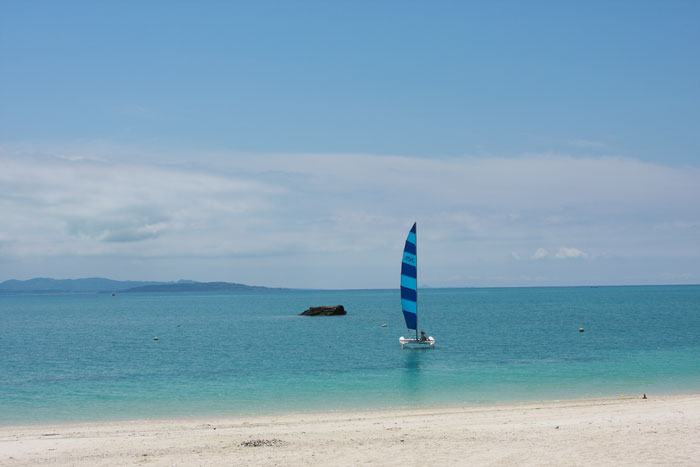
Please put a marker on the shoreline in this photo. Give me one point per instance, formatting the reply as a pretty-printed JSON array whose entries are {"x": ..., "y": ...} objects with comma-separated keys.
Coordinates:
[
  {"x": 661, "y": 430},
  {"x": 348, "y": 411}
]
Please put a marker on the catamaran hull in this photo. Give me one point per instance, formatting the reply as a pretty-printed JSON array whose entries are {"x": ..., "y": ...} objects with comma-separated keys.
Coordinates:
[{"x": 404, "y": 341}]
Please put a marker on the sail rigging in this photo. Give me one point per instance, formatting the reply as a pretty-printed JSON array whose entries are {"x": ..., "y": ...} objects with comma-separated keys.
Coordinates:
[{"x": 409, "y": 281}]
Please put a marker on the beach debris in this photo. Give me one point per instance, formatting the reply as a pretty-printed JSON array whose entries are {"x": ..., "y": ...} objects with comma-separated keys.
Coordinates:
[
  {"x": 580, "y": 329},
  {"x": 254, "y": 443},
  {"x": 337, "y": 310}
]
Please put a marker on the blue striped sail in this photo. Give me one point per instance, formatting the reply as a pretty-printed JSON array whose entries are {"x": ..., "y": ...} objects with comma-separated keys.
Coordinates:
[{"x": 409, "y": 277}]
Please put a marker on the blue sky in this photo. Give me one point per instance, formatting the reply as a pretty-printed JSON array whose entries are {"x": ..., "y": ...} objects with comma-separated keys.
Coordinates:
[{"x": 294, "y": 143}]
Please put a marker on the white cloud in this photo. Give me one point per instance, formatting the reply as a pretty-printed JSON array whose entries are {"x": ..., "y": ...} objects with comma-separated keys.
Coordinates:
[
  {"x": 539, "y": 253},
  {"x": 565, "y": 253},
  {"x": 336, "y": 216}
]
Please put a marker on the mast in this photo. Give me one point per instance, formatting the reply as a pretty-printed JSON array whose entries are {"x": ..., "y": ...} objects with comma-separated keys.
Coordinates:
[{"x": 416, "y": 225}]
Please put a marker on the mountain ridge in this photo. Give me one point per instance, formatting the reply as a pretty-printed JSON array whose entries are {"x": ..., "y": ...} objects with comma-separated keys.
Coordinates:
[{"x": 46, "y": 285}]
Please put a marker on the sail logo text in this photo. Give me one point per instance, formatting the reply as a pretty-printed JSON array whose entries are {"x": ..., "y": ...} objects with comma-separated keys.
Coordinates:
[{"x": 409, "y": 259}]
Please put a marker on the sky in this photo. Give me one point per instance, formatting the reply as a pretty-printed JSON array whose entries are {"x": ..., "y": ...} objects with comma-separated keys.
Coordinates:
[{"x": 293, "y": 144}]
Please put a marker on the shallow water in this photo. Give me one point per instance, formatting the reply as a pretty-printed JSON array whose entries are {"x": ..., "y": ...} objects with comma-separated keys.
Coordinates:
[{"x": 93, "y": 357}]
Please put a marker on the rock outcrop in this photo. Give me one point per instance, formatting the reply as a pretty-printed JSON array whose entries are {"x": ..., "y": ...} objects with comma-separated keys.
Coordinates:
[{"x": 324, "y": 311}]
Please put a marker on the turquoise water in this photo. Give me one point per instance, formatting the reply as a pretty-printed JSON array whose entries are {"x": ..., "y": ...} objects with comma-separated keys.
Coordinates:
[{"x": 93, "y": 357}]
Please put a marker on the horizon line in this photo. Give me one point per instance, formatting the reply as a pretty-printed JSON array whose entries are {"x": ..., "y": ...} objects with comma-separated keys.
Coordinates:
[{"x": 592, "y": 285}]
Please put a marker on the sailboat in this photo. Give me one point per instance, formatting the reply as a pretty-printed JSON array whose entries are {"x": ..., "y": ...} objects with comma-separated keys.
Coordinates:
[{"x": 409, "y": 293}]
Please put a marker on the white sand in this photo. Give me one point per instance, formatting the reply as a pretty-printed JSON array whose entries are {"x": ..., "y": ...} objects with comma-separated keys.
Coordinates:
[{"x": 622, "y": 431}]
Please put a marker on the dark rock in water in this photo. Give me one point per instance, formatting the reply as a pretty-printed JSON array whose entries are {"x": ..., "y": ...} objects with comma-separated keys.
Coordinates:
[{"x": 324, "y": 311}]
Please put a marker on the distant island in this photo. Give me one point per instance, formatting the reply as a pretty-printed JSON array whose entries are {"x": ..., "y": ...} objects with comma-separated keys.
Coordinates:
[
  {"x": 43, "y": 285},
  {"x": 191, "y": 286}
]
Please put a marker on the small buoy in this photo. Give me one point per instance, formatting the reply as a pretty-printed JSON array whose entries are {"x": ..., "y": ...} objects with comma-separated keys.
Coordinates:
[
  {"x": 580, "y": 329},
  {"x": 155, "y": 338},
  {"x": 384, "y": 325}
]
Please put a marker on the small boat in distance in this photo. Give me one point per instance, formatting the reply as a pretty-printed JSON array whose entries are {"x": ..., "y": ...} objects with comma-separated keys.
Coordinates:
[{"x": 409, "y": 293}]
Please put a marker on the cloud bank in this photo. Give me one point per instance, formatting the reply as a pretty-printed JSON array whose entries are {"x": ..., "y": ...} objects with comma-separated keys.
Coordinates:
[{"x": 338, "y": 220}]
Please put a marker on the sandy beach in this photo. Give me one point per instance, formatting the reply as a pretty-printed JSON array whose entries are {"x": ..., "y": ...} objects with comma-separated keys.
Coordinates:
[{"x": 661, "y": 430}]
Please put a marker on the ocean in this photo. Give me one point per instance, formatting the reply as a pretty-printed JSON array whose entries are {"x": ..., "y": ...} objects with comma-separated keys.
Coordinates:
[{"x": 93, "y": 357}]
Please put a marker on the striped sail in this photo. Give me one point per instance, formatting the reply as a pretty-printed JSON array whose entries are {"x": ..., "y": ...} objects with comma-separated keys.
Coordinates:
[{"x": 409, "y": 277}]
